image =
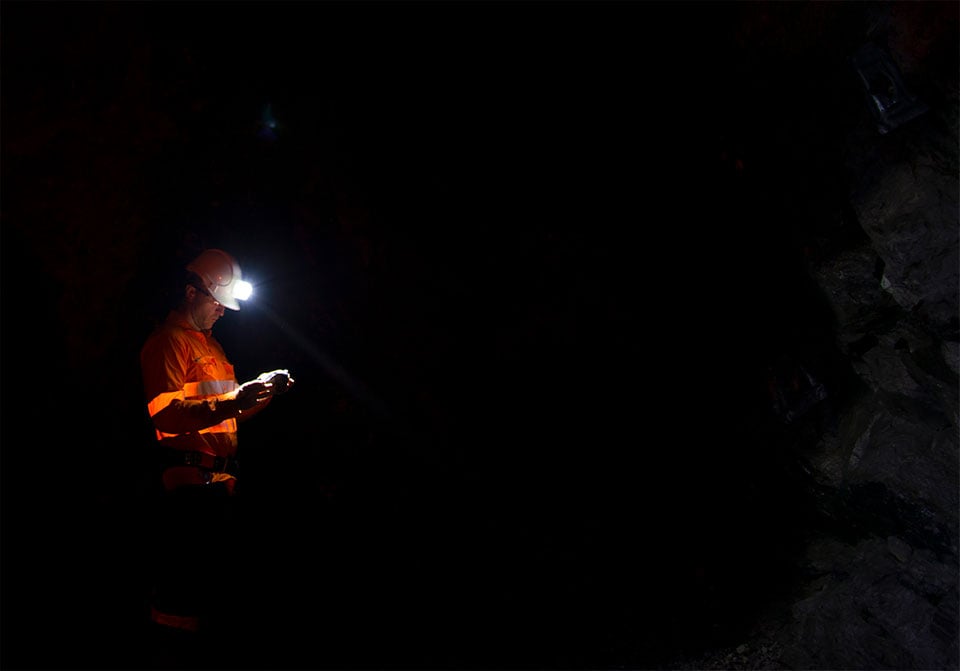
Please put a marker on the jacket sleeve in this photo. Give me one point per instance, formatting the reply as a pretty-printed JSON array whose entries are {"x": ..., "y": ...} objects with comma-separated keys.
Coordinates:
[{"x": 164, "y": 362}]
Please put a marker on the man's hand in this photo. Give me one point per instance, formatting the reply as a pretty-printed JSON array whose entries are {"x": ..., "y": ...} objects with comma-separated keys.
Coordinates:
[
  {"x": 260, "y": 389},
  {"x": 278, "y": 380},
  {"x": 251, "y": 393}
]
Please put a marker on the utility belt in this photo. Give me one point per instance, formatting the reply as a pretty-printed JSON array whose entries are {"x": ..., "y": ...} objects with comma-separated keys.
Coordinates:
[{"x": 170, "y": 457}]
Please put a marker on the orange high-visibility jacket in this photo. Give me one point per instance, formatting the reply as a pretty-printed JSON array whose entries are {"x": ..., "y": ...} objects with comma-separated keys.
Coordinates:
[{"x": 185, "y": 376}]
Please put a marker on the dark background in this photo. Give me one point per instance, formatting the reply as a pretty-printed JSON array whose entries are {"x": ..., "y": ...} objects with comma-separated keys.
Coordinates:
[{"x": 529, "y": 264}]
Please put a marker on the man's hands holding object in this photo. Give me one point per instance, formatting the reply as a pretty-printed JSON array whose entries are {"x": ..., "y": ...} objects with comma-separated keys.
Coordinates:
[
  {"x": 279, "y": 380},
  {"x": 263, "y": 387}
]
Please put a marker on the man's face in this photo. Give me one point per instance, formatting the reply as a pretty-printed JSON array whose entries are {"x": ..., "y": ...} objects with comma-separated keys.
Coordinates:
[{"x": 204, "y": 310}]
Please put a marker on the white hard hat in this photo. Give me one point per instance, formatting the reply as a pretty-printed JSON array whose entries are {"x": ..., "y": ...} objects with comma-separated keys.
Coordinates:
[{"x": 220, "y": 274}]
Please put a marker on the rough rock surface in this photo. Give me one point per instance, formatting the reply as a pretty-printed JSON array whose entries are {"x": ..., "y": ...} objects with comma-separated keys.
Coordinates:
[{"x": 879, "y": 587}]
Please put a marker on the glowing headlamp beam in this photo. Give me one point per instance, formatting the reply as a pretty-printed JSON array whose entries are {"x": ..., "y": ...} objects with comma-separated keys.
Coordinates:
[{"x": 332, "y": 368}]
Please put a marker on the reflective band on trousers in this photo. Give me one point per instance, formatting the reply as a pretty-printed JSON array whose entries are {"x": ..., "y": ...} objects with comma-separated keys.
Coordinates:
[{"x": 185, "y": 622}]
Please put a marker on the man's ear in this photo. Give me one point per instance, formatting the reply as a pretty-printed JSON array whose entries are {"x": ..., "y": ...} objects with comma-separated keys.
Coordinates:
[{"x": 189, "y": 292}]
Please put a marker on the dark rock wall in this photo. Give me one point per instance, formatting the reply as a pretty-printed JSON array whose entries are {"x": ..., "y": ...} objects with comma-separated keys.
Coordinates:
[{"x": 880, "y": 455}]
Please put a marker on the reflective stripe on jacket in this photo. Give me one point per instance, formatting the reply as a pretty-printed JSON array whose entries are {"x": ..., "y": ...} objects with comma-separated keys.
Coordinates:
[{"x": 185, "y": 374}]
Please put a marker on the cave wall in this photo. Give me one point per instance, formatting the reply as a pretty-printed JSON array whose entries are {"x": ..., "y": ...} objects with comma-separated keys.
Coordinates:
[{"x": 878, "y": 447}]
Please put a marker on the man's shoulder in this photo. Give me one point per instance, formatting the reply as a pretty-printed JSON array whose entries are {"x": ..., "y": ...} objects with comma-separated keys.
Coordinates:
[{"x": 169, "y": 330}]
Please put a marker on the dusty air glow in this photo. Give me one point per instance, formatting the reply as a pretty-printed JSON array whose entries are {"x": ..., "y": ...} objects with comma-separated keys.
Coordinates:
[{"x": 243, "y": 290}]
